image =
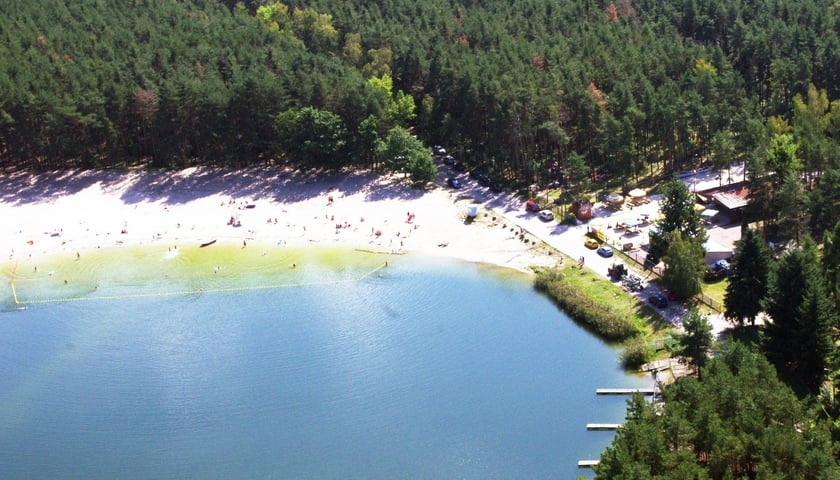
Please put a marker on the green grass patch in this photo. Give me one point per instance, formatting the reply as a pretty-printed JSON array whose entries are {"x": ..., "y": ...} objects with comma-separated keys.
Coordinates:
[
  {"x": 601, "y": 306},
  {"x": 716, "y": 290},
  {"x": 607, "y": 310}
]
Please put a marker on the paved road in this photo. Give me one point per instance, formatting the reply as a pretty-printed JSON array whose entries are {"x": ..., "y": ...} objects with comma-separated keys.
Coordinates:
[{"x": 570, "y": 239}]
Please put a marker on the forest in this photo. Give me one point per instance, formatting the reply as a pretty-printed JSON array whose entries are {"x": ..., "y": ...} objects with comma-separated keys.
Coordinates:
[{"x": 586, "y": 93}]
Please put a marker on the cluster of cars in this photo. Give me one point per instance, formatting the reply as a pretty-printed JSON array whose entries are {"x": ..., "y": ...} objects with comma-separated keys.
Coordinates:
[
  {"x": 605, "y": 251},
  {"x": 440, "y": 154},
  {"x": 544, "y": 214}
]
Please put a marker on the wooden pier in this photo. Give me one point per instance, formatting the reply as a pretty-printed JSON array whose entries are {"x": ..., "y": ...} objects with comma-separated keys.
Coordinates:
[
  {"x": 588, "y": 463},
  {"x": 624, "y": 391},
  {"x": 603, "y": 426}
]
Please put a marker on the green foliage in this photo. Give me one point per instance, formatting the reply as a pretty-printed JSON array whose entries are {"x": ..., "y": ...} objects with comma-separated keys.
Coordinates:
[
  {"x": 313, "y": 137},
  {"x": 678, "y": 215},
  {"x": 791, "y": 206},
  {"x": 401, "y": 152},
  {"x": 597, "y": 316},
  {"x": 684, "y": 266},
  {"x": 696, "y": 343},
  {"x": 782, "y": 159},
  {"x": 799, "y": 335},
  {"x": 831, "y": 261},
  {"x": 602, "y": 91},
  {"x": 399, "y": 107},
  {"x": 738, "y": 421},
  {"x": 635, "y": 354},
  {"x": 748, "y": 284}
]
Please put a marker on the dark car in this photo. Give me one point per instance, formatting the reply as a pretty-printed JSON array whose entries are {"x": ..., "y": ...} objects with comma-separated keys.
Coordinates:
[
  {"x": 532, "y": 206},
  {"x": 721, "y": 266},
  {"x": 481, "y": 178},
  {"x": 438, "y": 150},
  {"x": 449, "y": 160},
  {"x": 658, "y": 300},
  {"x": 454, "y": 182},
  {"x": 459, "y": 167}
]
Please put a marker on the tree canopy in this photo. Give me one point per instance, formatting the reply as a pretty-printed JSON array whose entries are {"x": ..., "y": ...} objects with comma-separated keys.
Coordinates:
[
  {"x": 739, "y": 421},
  {"x": 524, "y": 91}
]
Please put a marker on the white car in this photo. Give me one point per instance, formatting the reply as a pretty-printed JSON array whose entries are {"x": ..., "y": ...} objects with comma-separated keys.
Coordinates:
[{"x": 546, "y": 215}]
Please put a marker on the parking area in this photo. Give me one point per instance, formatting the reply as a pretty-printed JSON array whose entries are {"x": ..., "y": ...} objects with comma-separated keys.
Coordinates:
[{"x": 624, "y": 227}]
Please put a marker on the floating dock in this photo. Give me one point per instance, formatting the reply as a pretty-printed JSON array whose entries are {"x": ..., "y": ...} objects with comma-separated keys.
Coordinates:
[
  {"x": 603, "y": 426},
  {"x": 587, "y": 463},
  {"x": 624, "y": 391}
]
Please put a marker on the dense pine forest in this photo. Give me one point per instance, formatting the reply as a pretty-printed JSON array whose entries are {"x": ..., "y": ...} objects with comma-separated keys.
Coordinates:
[
  {"x": 522, "y": 91},
  {"x": 511, "y": 87}
]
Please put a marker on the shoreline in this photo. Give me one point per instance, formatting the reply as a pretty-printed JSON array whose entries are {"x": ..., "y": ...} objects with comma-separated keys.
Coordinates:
[{"x": 81, "y": 211}]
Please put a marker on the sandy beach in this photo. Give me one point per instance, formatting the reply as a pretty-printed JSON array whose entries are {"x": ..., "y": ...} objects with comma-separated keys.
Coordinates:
[
  {"x": 74, "y": 212},
  {"x": 79, "y": 211}
]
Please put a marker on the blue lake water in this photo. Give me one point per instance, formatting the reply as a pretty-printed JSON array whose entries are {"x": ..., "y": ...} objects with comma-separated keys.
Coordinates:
[{"x": 426, "y": 368}]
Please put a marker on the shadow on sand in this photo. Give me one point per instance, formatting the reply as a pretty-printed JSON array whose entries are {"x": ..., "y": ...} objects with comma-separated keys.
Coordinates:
[{"x": 182, "y": 186}]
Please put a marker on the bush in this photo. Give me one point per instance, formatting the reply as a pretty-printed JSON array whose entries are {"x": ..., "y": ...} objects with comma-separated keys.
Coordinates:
[
  {"x": 635, "y": 354},
  {"x": 596, "y": 316}
]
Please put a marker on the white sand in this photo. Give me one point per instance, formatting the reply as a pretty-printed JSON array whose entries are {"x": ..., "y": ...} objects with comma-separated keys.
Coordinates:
[{"x": 75, "y": 212}]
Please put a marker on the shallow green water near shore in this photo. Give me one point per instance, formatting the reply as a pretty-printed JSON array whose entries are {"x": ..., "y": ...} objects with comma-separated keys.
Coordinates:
[{"x": 227, "y": 362}]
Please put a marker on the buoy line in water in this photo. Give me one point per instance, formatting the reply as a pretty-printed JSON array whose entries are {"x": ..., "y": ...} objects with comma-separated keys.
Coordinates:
[{"x": 24, "y": 303}]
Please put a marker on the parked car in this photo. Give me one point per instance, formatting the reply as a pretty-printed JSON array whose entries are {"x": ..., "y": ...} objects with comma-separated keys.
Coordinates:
[
  {"x": 438, "y": 150},
  {"x": 546, "y": 215},
  {"x": 591, "y": 243},
  {"x": 605, "y": 251},
  {"x": 721, "y": 266},
  {"x": 532, "y": 206},
  {"x": 449, "y": 160},
  {"x": 481, "y": 178},
  {"x": 454, "y": 182},
  {"x": 658, "y": 300},
  {"x": 632, "y": 282}
]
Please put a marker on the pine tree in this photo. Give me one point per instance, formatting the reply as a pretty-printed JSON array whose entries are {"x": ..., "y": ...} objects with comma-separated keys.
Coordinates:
[
  {"x": 798, "y": 337},
  {"x": 696, "y": 343},
  {"x": 747, "y": 285},
  {"x": 678, "y": 214}
]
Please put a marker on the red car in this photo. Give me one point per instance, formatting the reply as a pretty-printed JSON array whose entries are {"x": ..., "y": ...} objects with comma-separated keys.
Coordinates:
[{"x": 532, "y": 206}]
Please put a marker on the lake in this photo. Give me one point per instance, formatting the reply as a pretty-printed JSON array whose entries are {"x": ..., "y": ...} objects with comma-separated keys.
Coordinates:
[{"x": 317, "y": 363}]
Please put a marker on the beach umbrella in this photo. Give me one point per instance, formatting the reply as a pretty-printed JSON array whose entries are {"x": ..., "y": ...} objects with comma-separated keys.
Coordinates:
[
  {"x": 614, "y": 198},
  {"x": 637, "y": 193}
]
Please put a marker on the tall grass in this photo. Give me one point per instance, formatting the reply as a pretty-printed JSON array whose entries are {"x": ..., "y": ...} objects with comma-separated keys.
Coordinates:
[{"x": 596, "y": 316}]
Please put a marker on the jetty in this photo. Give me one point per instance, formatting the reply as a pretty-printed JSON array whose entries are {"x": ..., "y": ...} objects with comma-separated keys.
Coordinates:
[
  {"x": 624, "y": 391},
  {"x": 603, "y": 426}
]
